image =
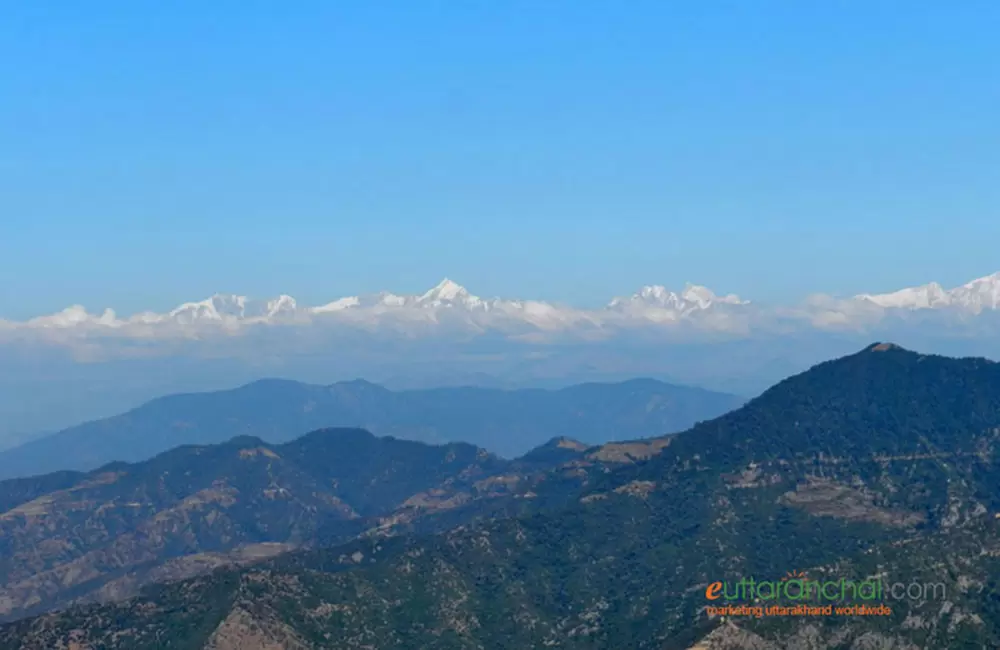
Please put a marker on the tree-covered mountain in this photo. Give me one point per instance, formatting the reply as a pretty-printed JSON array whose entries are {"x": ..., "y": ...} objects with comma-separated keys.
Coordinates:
[
  {"x": 70, "y": 535},
  {"x": 78, "y": 537},
  {"x": 506, "y": 422},
  {"x": 882, "y": 465}
]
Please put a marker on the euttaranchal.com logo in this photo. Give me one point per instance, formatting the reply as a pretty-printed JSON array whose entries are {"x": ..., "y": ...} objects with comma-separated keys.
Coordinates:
[{"x": 798, "y": 595}]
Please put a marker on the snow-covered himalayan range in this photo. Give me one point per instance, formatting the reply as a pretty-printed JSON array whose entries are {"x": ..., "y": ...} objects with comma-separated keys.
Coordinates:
[{"x": 450, "y": 303}]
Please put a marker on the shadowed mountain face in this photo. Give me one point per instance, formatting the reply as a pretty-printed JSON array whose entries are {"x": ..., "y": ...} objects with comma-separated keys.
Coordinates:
[
  {"x": 508, "y": 423},
  {"x": 885, "y": 463}
]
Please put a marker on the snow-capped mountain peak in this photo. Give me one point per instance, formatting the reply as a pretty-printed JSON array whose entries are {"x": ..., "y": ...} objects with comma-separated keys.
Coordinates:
[
  {"x": 975, "y": 296},
  {"x": 216, "y": 308},
  {"x": 228, "y": 308},
  {"x": 923, "y": 297},
  {"x": 447, "y": 292},
  {"x": 656, "y": 293},
  {"x": 694, "y": 297},
  {"x": 337, "y": 305},
  {"x": 982, "y": 293}
]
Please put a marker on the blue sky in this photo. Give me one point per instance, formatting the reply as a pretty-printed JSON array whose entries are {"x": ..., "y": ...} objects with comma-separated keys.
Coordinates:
[{"x": 158, "y": 152}]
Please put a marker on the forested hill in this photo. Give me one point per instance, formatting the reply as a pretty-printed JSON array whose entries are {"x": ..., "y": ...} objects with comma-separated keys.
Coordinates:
[
  {"x": 884, "y": 463},
  {"x": 884, "y": 400}
]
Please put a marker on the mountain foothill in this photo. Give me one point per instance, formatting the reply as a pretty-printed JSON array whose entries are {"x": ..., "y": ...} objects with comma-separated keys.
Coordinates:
[{"x": 884, "y": 463}]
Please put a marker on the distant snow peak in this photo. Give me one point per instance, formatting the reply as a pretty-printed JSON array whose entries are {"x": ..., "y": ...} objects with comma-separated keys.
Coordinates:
[
  {"x": 216, "y": 308},
  {"x": 445, "y": 290},
  {"x": 448, "y": 292},
  {"x": 337, "y": 305},
  {"x": 693, "y": 298},
  {"x": 923, "y": 297},
  {"x": 982, "y": 293},
  {"x": 445, "y": 294},
  {"x": 655, "y": 293},
  {"x": 226, "y": 308},
  {"x": 974, "y": 297}
]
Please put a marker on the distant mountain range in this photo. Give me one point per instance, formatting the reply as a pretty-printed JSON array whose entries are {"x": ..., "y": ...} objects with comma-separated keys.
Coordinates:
[
  {"x": 883, "y": 465},
  {"x": 75, "y": 366},
  {"x": 449, "y": 303},
  {"x": 506, "y": 422}
]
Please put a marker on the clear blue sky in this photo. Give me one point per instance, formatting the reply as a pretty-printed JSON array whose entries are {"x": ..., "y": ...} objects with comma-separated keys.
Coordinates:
[{"x": 570, "y": 150}]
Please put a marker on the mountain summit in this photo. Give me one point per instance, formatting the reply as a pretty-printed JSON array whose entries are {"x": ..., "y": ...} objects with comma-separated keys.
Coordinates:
[
  {"x": 694, "y": 297},
  {"x": 974, "y": 297},
  {"x": 445, "y": 291}
]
